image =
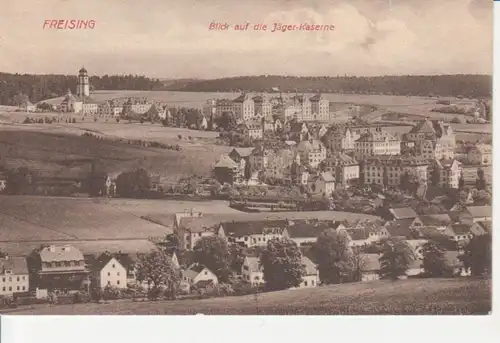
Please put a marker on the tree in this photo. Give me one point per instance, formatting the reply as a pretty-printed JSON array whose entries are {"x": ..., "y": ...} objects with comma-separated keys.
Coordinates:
[
  {"x": 227, "y": 121},
  {"x": 171, "y": 244},
  {"x": 434, "y": 260},
  {"x": 396, "y": 258},
  {"x": 333, "y": 257},
  {"x": 481, "y": 198},
  {"x": 478, "y": 254},
  {"x": 461, "y": 181},
  {"x": 157, "y": 270},
  {"x": 359, "y": 262},
  {"x": 480, "y": 181},
  {"x": 132, "y": 184},
  {"x": 213, "y": 252},
  {"x": 237, "y": 257},
  {"x": 19, "y": 181},
  {"x": 404, "y": 182},
  {"x": 282, "y": 264}
]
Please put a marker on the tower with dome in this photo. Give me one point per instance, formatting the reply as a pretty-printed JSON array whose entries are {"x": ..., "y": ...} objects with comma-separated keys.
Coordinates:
[{"x": 83, "y": 87}]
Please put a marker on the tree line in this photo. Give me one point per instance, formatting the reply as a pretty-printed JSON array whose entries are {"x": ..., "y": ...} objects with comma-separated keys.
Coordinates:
[
  {"x": 473, "y": 86},
  {"x": 16, "y": 88}
]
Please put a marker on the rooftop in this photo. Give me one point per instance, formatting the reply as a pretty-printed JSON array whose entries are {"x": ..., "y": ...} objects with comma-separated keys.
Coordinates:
[
  {"x": 17, "y": 265},
  {"x": 60, "y": 253},
  {"x": 403, "y": 213},
  {"x": 479, "y": 211}
]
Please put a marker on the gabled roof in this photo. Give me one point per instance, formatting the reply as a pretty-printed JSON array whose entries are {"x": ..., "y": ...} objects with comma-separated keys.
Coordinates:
[
  {"x": 226, "y": 162},
  {"x": 357, "y": 234},
  {"x": 310, "y": 267},
  {"x": 310, "y": 145},
  {"x": 376, "y": 137},
  {"x": 18, "y": 265},
  {"x": 246, "y": 228},
  {"x": 102, "y": 261},
  {"x": 243, "y": 152},
  {"x": 310, "y": 228},
  {"x": 479, "y": 211},
  {"x": 193, "y": 271},
  {"x": 403, "y": 213},
  {"x": 317, "y": 97},
  {"x": 460, "y": 229},
  {"x": 327, "y": 177},
  {"x": 486, "y": 225},
  {"x": 400, "y": 227},
  {"x": 424, "y": 126}
]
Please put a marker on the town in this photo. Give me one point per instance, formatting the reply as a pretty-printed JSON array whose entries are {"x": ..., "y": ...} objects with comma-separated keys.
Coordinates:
[{"x": 318, "y": 194}]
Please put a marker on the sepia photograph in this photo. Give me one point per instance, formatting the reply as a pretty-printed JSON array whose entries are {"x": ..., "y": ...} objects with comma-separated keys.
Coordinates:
[{"x": 265, "y": 157}]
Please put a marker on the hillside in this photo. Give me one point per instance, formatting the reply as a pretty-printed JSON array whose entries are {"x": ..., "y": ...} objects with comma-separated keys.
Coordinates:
[
  {"x": 442, "y": 85},
  {"x": 416, "y": 296}
]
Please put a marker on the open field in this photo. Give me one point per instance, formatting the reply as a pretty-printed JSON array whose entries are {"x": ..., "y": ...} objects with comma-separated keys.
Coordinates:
[
  {"x": 53, "y": 147},
  {"x": 93, "y": 224},
  {"x": 414, "y": 296}
]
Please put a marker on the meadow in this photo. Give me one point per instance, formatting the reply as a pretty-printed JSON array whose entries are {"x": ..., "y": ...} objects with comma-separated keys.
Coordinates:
[
  {"x": 95, "y": 225},
  {"x": 409, "y": 297}
]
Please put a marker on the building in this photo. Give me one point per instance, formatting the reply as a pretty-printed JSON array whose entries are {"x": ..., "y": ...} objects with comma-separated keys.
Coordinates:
[
  {"x": 306, "y": 232},
  {"x": 14, "y": 275},
  {"x": 344, "y": 168},
  {"x": 363, "y": 233},
  {"x": 322, "y": 183},
  {"x": 223, "y": 106},
  {"x": 83, "y": 86},
  {"x": 311, "y": 275},
  {"x": 198, "y": 273},
  {"x": 433, "y": 139},
  {"x": 403, "y": 213},
  {"x": 279, "y": 166},
  {"x": 340, "y": 138},
  {"x": 252, "y": 233},
  {"x": 292, "y": 111},
  {"x": 298, "y": 132},
  {"x": 262, "y": 107},
  {"x": 386, "y": 170},
  {"x": 480, "y": 154},
  {"x": 320, "y": 108},
  {"x": 370, "y": 267},
  {"x": 252, "y": 129},
  {"x": 479, "y": 213},
  {"x": 312, "y": 152},
  {"x": 242, "y": 157},
  {"x": 243, "y": 108},
  {"x": 71, "y": 104},
  {"x": 252, "y": 271},
  {"x": 60, "y": 267},
  {"x": 108, "y": 271},
  {"x": 377, "y": 143},
  {"x": 449, "y": 172},
  {"x": 226, "y": 170}
]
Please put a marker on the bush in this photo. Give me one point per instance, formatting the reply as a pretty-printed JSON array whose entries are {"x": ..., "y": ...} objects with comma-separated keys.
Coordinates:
[
  {"x": 179, "y": 136},
  {"x": 7, "y": 302},
  {"x": 117, "y": 120},
  {"x": 111, "y": 293},
  {"x": 52, "y": 298}
]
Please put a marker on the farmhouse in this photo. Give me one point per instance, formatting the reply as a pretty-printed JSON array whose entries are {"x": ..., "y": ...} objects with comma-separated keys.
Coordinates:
[
  {"x": 108, "y": 271},
  {"x": 252, "y": 271},
  {"x": 14, "y": 276},
  {"x": 311, "y": 276},
  {"x": 198, "y": 273}
]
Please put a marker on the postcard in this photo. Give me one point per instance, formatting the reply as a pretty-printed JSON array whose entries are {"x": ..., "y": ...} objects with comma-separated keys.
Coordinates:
[{"x": 217, "y": 157}]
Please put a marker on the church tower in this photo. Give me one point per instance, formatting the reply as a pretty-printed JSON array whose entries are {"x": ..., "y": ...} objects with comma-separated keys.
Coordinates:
[{"x": 83, "y": 88}]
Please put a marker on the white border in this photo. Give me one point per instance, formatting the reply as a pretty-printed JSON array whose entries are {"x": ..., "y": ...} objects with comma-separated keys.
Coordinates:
[{"x": 304, "y": 329}]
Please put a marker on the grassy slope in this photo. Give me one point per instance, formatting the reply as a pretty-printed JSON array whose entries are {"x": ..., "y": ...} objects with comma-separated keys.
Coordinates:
[
  {"x": 41, "y": 150},
  {"x": 431, "y": 296}
]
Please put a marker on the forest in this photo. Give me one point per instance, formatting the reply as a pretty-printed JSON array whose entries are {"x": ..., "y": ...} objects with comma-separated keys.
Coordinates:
[{"x": 470, "y": 86}]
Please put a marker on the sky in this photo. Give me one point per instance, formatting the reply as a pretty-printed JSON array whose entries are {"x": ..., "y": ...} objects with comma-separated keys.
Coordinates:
[{"x": 171, "y": 39}]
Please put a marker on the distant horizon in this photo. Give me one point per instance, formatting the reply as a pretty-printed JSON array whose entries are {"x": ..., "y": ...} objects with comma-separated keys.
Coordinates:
[{"x": 239, "y": 76}]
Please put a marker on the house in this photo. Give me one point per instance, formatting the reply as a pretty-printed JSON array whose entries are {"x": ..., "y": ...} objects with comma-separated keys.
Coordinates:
[
  {"x": 189, "y": 236},
  {"x": 480, "y": 154},
  {"x": 481, "y": 228},
  {"x": 252, "y": 129},
  {"x": 405, "y": 228},
  {"x": 417, "y": 246},
  {"x": 108, "y": 271},
  {"x": 459, "y": 232},
  {"x": 438, "y": 221},
  {"x": 344, "y": 168},
  {"x": 449, "y": 173},
  {"x": 242, "y": 157},
  {"x": 323, "y": 183},
  {"x": 262, "y": 107},
  {"x": 311, "y": 275},
  {"x": 14, "y": 275},
  {"x": 320, "y": 108},
  {"x": 340, "y": 138},
  {"x": 243, "y": 108},
  {"x": 433, "y": 139},
  {"x": 60, "y": 267},
  {"x": 306, "y": 232},
  {"x": 299, "y": 131},
  {"x": 403, "y": 213},
  {"x": 198, "y": 273},
  {"x": 252, "y": 233},
  {"x": 376, "y": 143},
  {"x": 312, "y": 152},
  {"x": 279, "y": 165},
  {"x": 226, "y": 170},
  {"x": 252, "y": 271},
  {"x": 473, "y": 214},
  {"x": 370, "y": 267},
  {"x": 363, "y": 233}
]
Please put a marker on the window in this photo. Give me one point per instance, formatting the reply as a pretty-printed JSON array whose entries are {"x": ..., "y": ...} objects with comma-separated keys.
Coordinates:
[
  {"x": 118, "y": 273},
  {"x": 305, "y": 283},
  {"x": 10, "y": 288},
  {"x": 24, "y": 277},
  {"x": 3, "y": 279},
  {"x": 109, "y": 274},
  {"x": 206, "y": 273},
  {"x": 113, "y": 266},
  {"x": 117, "y": 282},
  {"x": 312, "y": 282},
  {"x": 58, "y": 264},
  {"x": 18, "y": 278},
  {"x": 10, "y": 279},
  {"x": 109, "y": 283},
  {"x": 18, "y": 288},
  {"x": 3, "y": 288},
  {"x": 24, "y": 288}
]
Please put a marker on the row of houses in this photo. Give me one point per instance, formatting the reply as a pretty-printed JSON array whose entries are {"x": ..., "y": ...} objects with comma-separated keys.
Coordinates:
[{"x": 252, "y": 230}]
